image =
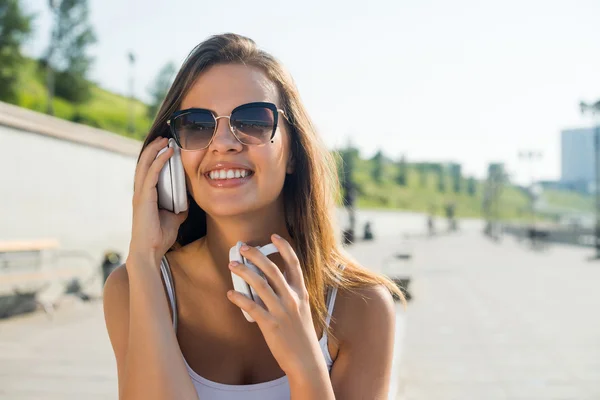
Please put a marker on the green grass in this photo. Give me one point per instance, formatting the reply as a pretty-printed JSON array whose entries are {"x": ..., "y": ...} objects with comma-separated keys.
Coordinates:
[
  {"x": 105, "y": 110},
  {"x": 425, "y": 198},
  {"x": 569, "y": 200}
]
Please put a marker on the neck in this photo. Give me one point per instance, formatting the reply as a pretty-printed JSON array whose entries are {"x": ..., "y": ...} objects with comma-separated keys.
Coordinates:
[{"x": 254, "y": 229}]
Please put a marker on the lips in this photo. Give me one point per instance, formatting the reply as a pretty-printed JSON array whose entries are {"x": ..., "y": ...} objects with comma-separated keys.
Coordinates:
[{"x": 227, "y": 174}]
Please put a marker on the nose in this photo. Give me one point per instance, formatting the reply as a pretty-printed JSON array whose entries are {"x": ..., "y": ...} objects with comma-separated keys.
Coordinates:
[{"x": 224, "y": 140}]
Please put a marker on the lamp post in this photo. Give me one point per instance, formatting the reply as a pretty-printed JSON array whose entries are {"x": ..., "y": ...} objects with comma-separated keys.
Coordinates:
[
  {"x": 531, "y": 156},
  {"x": 131, "y": 58},
  {"x": 54, "y": 6},
  {"x": 594, "y": 109},
  {"x": 349, "y": 192}
]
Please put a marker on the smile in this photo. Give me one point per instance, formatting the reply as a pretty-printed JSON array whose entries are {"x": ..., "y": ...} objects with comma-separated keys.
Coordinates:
[{"x": 222, "y": 174}]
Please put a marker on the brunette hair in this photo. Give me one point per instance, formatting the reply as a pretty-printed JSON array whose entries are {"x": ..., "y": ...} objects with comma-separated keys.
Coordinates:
[{"x": 310, "y": 193}]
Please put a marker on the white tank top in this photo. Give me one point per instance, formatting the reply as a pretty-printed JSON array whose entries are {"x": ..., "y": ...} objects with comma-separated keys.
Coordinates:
[{"x": 278, "y": 389}]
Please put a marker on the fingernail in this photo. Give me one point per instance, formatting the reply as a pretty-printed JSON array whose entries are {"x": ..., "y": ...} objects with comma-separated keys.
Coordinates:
[
  {"x": 245, "y": 247},
  {"x": 233, "y": 264},
  {"x": 276, "y": 236}
]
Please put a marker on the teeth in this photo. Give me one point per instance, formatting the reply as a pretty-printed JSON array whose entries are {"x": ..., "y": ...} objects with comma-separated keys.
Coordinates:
[{"x": 228, "y": 174}]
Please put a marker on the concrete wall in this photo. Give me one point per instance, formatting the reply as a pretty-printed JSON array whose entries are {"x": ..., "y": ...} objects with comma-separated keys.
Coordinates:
[{"x": 65, "y": 181}]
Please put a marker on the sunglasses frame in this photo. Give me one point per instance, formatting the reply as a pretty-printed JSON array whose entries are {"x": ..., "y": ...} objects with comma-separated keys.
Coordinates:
[{"x": 216, "y": 117}]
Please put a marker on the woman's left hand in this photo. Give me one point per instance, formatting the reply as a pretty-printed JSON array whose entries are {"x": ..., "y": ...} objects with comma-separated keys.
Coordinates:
[{"x": 286, "y": 324}]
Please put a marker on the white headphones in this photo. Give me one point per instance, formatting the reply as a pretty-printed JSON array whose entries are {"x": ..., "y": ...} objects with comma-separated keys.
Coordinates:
[
  {"x": 172, "y": 193},
  {"x": 239, "y": 284}
]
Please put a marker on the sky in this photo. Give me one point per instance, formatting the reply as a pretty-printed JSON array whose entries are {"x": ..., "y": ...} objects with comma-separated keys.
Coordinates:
[{"x": 466, "y": 81}]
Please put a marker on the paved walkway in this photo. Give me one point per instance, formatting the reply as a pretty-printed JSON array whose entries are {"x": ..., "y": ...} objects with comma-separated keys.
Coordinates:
[
  {"x": 498, "y": 321},
  {"x": 68, "y": 357},
  {"x": 488, "y": 321}
]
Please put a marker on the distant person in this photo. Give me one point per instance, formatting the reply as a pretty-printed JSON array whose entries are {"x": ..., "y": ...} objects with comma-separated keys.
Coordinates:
[
  {"x": 257, "y": 172},
  {"x": 431, "y": 221},
  {"x": 450, "y": 207},
  {"x": 368, "y": 234}
]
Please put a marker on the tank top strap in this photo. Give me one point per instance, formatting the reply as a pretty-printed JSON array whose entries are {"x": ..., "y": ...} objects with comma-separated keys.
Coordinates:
[
  {"x": 165, "y": 270},
  {"x": 331, "y": 295}
]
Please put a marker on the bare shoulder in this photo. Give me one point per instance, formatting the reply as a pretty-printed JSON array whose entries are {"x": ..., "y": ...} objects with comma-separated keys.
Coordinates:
[
  {"x": 369, "y": 307},
  {"x": 116, "y": 287},
  {"x": 118, "y": 279},
  {"x": 365, "y": 328}
]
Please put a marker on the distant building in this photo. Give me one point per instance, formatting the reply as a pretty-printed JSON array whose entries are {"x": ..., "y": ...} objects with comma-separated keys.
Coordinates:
[{"x": 577, "y": 159}]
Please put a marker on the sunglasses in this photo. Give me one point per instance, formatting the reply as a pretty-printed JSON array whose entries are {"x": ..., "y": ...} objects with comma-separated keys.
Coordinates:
[{"x": 251, "y": 124}]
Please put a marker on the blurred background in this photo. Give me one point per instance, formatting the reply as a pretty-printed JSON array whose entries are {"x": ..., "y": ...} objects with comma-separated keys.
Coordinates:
[{"x": 467, "y": 135}]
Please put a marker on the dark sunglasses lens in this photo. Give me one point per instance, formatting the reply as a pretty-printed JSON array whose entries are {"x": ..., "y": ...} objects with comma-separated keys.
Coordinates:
[
  {"x": 194, "y": 129},
  {"x": 253, "y": 125}
]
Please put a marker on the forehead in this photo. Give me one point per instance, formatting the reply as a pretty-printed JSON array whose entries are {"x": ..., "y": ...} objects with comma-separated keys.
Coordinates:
[{"x": 221, "y": 88}]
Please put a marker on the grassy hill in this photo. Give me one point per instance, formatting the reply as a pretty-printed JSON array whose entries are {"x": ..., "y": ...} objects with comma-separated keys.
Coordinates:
[
  {"x": 109, "y": 111},
  {"x": 417, "y": 197},
  {"x": 105, "y": 110}
]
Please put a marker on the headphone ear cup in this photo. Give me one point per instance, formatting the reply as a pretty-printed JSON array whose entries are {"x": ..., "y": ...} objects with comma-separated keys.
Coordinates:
[
  {"x": 240, "y": 284},
  {"x": 164, "y": 186},
  {"x": 179, "y": 190}
]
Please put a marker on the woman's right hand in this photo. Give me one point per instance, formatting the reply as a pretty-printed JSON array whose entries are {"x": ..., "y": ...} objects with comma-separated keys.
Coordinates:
[{"x": 154, "y": 230}]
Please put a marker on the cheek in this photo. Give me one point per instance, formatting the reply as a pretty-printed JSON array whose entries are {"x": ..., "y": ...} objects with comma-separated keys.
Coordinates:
[
  {"x": 274, "y": 160},
  {"x": 191, "y": 163}
]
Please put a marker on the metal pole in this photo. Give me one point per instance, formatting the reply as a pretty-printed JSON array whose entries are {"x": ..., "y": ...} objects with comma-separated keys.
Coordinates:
[
  {"x": 532, "y": 189},
  {"x": 131, "y": 94},
  {"x": 53, "y": 5},
  {"x": 597, "y": 188}
]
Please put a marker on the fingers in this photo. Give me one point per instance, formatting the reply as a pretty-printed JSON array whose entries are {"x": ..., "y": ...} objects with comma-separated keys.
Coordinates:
[
  {"x": 259, "y": 284},
  {"x": 295, "y": 277},
  {"x": 154, "y": 171},
  {"x": 259, "y": 314},
  {"x": 271, "y": 271},
  {"x": 172, "y": 224},
  {"x": 146, "y": 160}
]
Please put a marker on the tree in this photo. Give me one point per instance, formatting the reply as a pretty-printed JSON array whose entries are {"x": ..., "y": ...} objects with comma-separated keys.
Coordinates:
[
  {"x": 349, "y": 156},
  {"x": 15, "y": 28},
  {"x": 378, "y": 165},
  {"x": 441, "y": 178},
  {"x": 471, "y": 187},
  {"x": 422, "y": 168},
  {"x": 494, "y": 186},
  {"x": 456, "y": 173},
  {"x": 160, "y": 87},
  {"x": 401, "y": 178},
  {"x": 66, "y": 58}
]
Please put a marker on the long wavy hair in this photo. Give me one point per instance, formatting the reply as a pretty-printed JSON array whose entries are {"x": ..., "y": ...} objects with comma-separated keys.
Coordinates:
[{"x": 310, "y": 193}]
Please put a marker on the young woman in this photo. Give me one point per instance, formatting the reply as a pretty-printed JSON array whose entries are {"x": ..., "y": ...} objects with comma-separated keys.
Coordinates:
[{"x": 256, "y": 171}]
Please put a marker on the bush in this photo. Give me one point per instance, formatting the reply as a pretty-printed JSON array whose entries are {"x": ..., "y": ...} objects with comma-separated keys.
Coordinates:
[{"x": 71, "y": 87}]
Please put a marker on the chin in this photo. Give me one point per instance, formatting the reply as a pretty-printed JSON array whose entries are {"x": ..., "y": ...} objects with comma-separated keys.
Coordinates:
[{"x": 223, "y": 209}]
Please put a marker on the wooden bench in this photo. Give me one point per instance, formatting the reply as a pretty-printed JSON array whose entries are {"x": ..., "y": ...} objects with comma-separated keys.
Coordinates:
[{"x": 28, "y": 267}]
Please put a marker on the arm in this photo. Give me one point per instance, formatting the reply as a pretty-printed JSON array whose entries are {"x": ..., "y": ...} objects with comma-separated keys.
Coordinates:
[
  {"x": 362, "y": 369},
  {"x": 149, "y": 361}
]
